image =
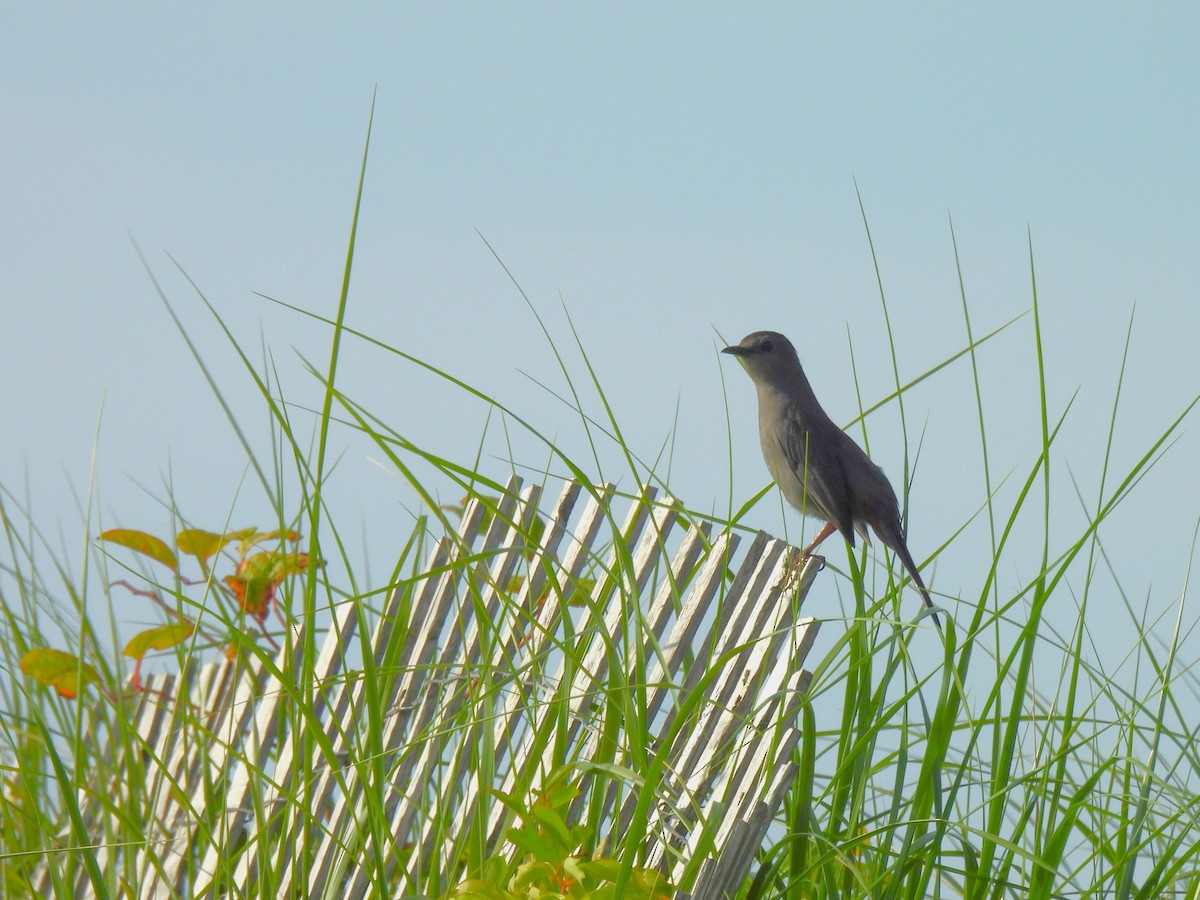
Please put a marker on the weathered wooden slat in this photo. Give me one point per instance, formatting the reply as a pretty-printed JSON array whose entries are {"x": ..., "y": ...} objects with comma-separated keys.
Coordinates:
[
  {"x": 764, "y": 759},
  {"x": 183, "y": 806},
  {"x": 680, "y": 642},
  {"x": 532, "y": 631},
  {"x": 683, "y": 596},
  {"x": 756, "y": 633},
  {"x": 318, "y": 776},
  {"x": 436, "y": 718},
  {"x": 146, "y": 723},
  {"x": 242, "y": 747},
  {"x": 670, "y": 599},
  {"x": 751, "y": 798},
  {"x": 286, "y": 832},
  {"x": 430, "y": 606},
  {"x": 545, "y": 562},
  {"x": 619, "y": 598},
  {"x": 695, "y": 739},
  {"x": 468, "y": 665},
  {"x": 172, "y": 777},
  {"x": 517, "y": 644},
  {"x": 580, "y": 693},
  {"x": 431, "y": 667}
]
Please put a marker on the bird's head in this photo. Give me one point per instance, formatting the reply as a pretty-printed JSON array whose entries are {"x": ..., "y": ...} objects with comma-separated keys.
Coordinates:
[{"x": 767, "y": 356}]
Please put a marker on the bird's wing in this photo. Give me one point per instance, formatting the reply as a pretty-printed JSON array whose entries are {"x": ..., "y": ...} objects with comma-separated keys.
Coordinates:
[{"x": 815, "y": 458}]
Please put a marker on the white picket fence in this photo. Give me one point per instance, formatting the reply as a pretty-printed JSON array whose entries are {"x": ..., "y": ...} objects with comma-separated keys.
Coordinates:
[{"x": 470, "y": 656}]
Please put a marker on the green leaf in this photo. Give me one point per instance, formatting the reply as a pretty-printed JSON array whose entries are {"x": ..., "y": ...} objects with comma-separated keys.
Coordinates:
[
  {"x": 533, "y": 536},
  {"x": 574, "y": 867},
  {"x": 651, "y": 883},
  {"x": 619, "y": 773},
  {"x": 508, "y": 800},
  {"x": 602, "y": 869},
  {"x": 555, "y": 827},
  {"x": 145, "y": 544},
  {"x": 477, "y": 889},
  {"x": 535, "y": 844},
  {"x": 581, "y": 591},
  {"x": 559, "y": 790},
  {"x": 489, "y": 503},
  {"x": 529, "y": 874}
]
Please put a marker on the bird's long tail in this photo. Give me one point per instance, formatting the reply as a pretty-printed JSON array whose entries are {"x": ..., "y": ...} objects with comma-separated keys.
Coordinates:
[{"x": 894, "y": 538}]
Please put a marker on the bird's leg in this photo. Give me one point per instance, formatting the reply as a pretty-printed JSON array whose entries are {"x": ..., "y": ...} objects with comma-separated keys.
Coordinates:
[{"x": 829, "y": 529}]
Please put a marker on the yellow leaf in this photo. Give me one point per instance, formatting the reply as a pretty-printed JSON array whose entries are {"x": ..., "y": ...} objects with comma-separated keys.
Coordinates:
[
  {"x": 202, "y": 544},
  {"x": 145, "y": 544},
  {"x": 248, "y": 537},
  {"x": 59, "y": 670},
  {"x": 162, "y": 638}
]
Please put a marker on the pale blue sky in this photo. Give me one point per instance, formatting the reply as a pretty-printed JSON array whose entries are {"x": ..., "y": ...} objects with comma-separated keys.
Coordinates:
[{"x": 667, "y": 171}]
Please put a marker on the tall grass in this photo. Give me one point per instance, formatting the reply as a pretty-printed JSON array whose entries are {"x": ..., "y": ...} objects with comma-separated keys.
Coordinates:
[{"x": 927, "y": 768}]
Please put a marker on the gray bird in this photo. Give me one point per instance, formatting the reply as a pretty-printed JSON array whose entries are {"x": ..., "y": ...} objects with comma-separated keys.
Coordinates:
[{"x": 818, "y": 467}]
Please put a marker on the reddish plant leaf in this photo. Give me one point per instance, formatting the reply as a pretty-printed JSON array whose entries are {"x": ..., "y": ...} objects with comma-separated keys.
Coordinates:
[
  {"x": 145, "y": 544},
  {"x": 252, "y": 594},
  {"x": 258, "y": 577},
  {"x": 59, "y": 670},
  {"x": 162, "y": 638}
]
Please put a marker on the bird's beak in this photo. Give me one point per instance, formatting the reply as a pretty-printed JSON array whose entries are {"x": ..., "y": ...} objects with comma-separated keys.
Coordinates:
[{"x": 736, "y": 350}]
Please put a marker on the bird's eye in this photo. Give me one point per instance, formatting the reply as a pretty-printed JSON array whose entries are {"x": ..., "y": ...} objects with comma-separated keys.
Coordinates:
[{"x": 765, "y": 346}]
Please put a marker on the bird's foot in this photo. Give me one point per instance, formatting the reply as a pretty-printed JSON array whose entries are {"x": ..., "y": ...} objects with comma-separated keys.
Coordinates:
[{"x": 794, "y": 566}]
